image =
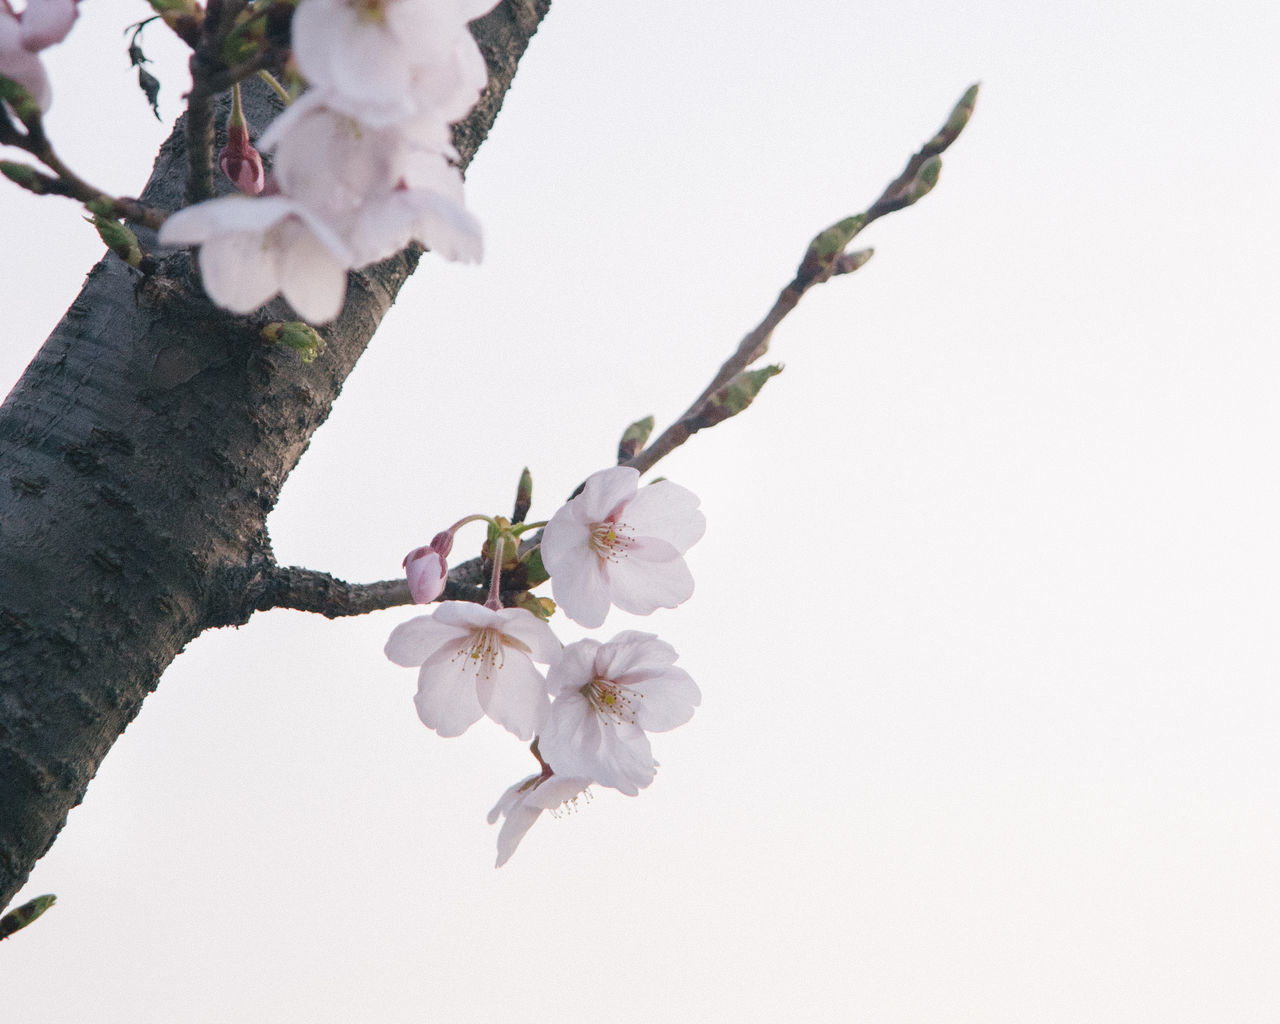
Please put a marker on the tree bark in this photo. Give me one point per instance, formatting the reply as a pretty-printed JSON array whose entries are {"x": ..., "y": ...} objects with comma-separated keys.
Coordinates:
[{"x": 139, "y": 456}]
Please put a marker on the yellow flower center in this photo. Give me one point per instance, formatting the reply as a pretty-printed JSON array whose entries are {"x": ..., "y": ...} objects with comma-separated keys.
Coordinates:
[
  {"x": 485, "y": 653},
  {"x": 611, "y": 700},
  {"x": 610, "y": 540}
]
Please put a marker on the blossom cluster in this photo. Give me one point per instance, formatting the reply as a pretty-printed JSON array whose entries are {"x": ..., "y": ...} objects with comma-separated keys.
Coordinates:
[
  {"x": 363, "y": 163},
  {"x": 613, "y": 544},
  {"x": 40, "y": 24}
]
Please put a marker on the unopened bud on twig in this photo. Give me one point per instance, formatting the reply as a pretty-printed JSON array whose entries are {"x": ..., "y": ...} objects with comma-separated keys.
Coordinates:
[
  {"x": 735, "y": 396},
  {"x": 26, "y": 176},
  {"x": 301, "y": 337},
  {"x": 827, "y": 245},
  {"x": 524, "y": 496},
  {"x": 183, "y": 16},
  {"x": 25, "y": 914},
  {"x": 922, "y": 184},
  {"x": 21, "y": 101},
  {"x": 239, "y": 160},
  {"x": 634, "y": 438},
  {"x": 848, "y": 262},
  {"x": 960, "y": 115},
  {"x": 118, "y": 238}
]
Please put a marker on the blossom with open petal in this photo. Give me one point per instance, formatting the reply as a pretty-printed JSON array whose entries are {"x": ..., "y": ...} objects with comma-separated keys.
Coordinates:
[
  {"x": 620, "y": 543},
  {"x": 523, "y": 804},
  {"x": 250, "y": 249},
  {"x": 385, "y": 60},
  {"x": 380, "y": 187},
  {"x": 476, "y": 661},
  {"x": 22, "y": 36},
  {"x": 607, "y": 697}
]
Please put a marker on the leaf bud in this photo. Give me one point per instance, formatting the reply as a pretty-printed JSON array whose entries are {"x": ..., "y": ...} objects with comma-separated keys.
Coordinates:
[
  {"x": 634, "y": 438},
  {"x": 25, "y": 914},
  {"x": 26, "y": 176},
  {"x": 960, "y": 115},
  {"x": 118, "y": 238},
  {"x": 524, "y": 496},
  {"x": 922, "y": 184},
  {"x": 301, "y": 337},
  {"x": 735, "y": 396}
]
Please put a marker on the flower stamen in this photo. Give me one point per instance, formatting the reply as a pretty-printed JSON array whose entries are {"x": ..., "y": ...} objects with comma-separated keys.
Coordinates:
[
  {"x": 610, "y": 540},
  {"x": 610, "y": 700},
  {"x": 486, "y": 652}
]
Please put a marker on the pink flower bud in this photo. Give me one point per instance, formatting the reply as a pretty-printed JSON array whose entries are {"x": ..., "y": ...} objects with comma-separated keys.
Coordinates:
[
  {"x": 426, "y": 571},
  {"x": 240, "y": 162}
]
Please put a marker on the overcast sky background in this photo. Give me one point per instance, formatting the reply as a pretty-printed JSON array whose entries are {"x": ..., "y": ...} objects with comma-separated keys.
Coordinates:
[{"x": 986, "y": 609}]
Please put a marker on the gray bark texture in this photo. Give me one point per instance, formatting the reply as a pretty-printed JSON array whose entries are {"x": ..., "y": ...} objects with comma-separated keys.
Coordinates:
[{"x": 139, "y": 456}]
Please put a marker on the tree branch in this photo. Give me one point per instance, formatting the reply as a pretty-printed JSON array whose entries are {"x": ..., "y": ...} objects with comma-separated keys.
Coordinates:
[
  {"x": 264, "y": 588},
  {"x": 825, "y": 258},
  {"x": 140, "y": 454}
]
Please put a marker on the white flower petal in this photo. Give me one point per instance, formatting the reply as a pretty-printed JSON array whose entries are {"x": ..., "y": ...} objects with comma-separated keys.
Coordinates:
[
  {"x": 515, "y": 697},
  {"x": 641, "y": 586},
  {"x": 238, "y": 271},
  {"x": 446, "y": 699},
  {"x": 311, "y": 277},
  {"x": 413, "y": 642},
  {"x": 669, "y": 511}
]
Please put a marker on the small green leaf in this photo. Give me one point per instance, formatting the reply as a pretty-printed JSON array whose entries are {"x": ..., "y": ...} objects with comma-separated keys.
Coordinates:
[{"x": 534, "y": 571}]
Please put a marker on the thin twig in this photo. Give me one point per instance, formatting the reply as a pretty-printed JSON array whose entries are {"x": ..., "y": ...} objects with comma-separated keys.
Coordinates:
[{"x": 307, "y": 590}]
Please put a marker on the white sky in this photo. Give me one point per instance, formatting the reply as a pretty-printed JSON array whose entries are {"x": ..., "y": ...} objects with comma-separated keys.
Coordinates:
[{"x": 986, "y": 608}]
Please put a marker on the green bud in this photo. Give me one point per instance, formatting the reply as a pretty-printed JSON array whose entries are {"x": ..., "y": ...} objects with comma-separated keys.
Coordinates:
[
  {"x": 501, "y": 540},
  {"x": 20, "y": 101},
  {"x": 543, "y": 607},
  {"x": 301, "y": 337},
  {"x": 848, "y": 262},
  {"x": 118, "y": 238},
  {"x": 524, "y": 496},
  {"x": 101, "y": 206},
  {"x": 828, "y": 244},
  {"x": 634, "y": 438},
  {"x": 26, "y": 176},
  {"x": 735, "y": 396},
  {"x": 960, "y": 115},
  {"x": 245, "y": 38},
  {"x": 25, "y": 914},
  {"x": 922, "y": 184}
]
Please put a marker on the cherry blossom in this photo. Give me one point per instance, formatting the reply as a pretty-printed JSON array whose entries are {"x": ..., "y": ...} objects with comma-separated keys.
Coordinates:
[
  {"x": 607, "y": 697},
  {"x": 476, "y": 661},
  {"x": 381, "y": 187},
  {"x": 250, "y": 249},
  {"x": 385, "y": 60},
  {"x": 523, "y": 804},
  {"x": 619, "y": 543},
  {"x": 41, "y": 24}
]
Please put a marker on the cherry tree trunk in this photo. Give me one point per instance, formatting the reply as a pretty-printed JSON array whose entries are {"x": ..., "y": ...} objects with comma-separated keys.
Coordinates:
[{"x": 139, "y": 456}]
